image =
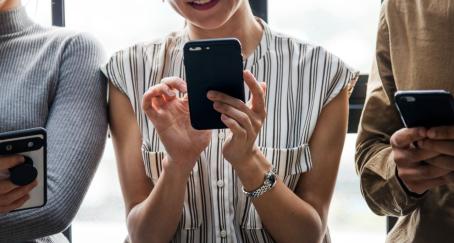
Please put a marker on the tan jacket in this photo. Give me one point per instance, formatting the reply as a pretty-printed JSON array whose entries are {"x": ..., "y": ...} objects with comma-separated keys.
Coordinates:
[{"x": 415, "y": 50}]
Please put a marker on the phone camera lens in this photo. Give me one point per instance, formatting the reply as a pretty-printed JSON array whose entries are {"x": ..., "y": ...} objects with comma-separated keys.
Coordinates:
[
  {"x": 9, "y": 147},
  {"x": 30, "y": 144},
  {"x": 409, "y": 99}
]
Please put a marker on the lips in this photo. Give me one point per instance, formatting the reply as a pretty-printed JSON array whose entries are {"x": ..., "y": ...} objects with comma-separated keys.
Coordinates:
[{"x": 203, "y": 4}]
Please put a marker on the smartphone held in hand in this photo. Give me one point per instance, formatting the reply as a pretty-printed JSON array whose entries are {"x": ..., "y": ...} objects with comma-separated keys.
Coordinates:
[
  {"x": 425, "y": 108},
  {"x": 32, "y": 144},
  {"x": 212, "y": 64}
]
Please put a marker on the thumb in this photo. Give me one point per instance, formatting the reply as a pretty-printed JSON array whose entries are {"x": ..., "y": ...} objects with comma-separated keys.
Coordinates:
[{"x": 7, "y": 162}]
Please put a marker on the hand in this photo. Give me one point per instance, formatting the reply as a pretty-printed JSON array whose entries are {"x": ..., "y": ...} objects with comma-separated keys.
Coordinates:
[
  {"x": 244, "y": 120},
  {"x": 417, "y": 176},
  {"x": 441, "y": 140},
  {"x": 170, "y": 116},
  {"x": 12, "y": 196}
]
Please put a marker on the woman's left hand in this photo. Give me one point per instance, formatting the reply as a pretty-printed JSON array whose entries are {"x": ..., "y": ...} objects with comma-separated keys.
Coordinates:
[{"x": 244, "y": 120}]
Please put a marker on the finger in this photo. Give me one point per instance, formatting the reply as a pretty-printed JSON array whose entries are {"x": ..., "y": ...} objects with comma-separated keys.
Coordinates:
[
  {"x": 235, "y": 128},
  {"x": 6, "y": 186},
  {"x": 156, "y": 97},
  {"x": 219, "y": 97},
  {"x": 441, "y": 133},
  {"x": 406, "y": 136},
  {"x": 16, "y": 194},
  {"x": 408, "y": 157},
  {"x": 443, "y": 161},
  {"x": 449, "y": 178},
  {"x": 7, "y": 162},
  {"x": 241, "y": 118},
  {"x": 422, "y": 172},
  {"x": 441, "y": 146},
  {"x": 15, "y": 205},
  {"x": 175, "y": 83},
  {"x": 258, "y": 91},
  {"x": 424, "y": 185}
]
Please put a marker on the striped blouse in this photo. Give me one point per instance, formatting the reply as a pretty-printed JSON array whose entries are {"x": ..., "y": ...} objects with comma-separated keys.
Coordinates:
[{"x": 301, "y": 80}]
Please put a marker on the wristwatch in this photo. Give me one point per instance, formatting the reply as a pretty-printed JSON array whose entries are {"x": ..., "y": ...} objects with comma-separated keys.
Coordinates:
[{"x": 268, "y": 184}]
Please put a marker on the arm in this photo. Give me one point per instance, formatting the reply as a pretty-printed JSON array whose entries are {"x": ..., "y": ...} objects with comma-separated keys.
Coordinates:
[
  {"x": 301, "y": 216},
  {"x": 305, "y": 212},
  {"x": 148, "y": 204},
  {"x": 76, "y": 129},
  {"x": 388, "y": 164}
]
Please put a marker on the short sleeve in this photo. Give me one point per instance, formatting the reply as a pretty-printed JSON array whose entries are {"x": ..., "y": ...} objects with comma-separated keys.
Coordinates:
[
  {"x": 339, "y": 76},
  {"x": 116, "y": 70}
]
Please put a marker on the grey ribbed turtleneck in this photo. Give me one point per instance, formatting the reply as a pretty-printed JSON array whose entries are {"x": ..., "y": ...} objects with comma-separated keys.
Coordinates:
[{"x": 49, "y": 78}]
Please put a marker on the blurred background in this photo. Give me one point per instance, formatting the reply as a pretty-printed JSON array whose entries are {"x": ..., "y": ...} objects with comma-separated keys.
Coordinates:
[{"x": 346, "y": 28}]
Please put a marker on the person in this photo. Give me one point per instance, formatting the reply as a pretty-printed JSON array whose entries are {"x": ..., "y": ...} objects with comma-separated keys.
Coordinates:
[
  {"x": 408, "y": 173},
  {"x": 186, "y": 185},
  {"x": 50, "y": 78}
]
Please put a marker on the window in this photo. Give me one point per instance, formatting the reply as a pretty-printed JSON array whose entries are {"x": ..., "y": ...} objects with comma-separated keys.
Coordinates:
[
  {"x": 39, "y": 11},
  {"x": 346, "y": 28}
]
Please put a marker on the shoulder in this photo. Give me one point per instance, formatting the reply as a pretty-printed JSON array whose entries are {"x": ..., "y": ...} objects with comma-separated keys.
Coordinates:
[
  {"x": 144, "y": 51},
  {"x": 63, "y": 40},
  {"x": 298, "y": 48}
]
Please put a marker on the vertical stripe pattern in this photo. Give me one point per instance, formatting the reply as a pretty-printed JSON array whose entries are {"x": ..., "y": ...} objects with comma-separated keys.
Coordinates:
[{"x": 301, "y": 80}]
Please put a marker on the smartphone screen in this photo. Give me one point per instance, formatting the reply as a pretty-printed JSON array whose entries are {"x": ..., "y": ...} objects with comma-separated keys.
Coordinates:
[
  {"x": 212, "y": 64},
  {"x": 427, "y": 108}
]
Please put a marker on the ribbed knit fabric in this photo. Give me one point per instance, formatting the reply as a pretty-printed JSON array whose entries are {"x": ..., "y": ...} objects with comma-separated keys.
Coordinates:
[{"x": 49, "y": 77}]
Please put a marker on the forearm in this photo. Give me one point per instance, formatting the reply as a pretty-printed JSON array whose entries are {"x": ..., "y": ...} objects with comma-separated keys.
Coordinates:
[
  {"x": 156, "y": 219},
  {"x": 285, "y": 216}
]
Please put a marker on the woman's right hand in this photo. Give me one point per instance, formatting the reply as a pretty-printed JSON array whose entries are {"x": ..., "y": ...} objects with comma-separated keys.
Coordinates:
[
  {"x": 170, "y": 117},
  {"x": 12, "y": 196}
]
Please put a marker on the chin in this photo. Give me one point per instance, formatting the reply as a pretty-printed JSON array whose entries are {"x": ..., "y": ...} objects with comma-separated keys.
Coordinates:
[{"x": 209, "y": 23}]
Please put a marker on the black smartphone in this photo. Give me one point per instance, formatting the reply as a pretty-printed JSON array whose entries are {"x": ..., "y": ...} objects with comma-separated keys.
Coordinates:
[
  {"x": 425, "y": 108},
  {"x": 32, "y": 144},
  {"x": 212, "y": 64}
]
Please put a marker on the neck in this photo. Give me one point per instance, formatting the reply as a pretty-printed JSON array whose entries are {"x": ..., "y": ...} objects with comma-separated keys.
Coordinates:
[
  {"x": 249, "y": 34},
  {"x": 9, "y": 5}
]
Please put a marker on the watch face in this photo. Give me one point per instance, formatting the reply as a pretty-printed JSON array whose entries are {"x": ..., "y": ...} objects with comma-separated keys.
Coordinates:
[{"x": 270, "y": 178}]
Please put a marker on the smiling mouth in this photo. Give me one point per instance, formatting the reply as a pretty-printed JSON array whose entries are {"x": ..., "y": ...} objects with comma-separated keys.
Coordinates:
[{"x": 203, "y": 4}]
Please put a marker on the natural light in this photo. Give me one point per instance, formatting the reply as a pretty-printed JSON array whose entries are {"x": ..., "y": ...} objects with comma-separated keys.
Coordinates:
[{"x": 336, "y": 25}]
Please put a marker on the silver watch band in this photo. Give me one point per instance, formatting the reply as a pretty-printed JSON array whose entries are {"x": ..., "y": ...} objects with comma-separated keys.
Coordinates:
[{"x": 268, "y": 184}]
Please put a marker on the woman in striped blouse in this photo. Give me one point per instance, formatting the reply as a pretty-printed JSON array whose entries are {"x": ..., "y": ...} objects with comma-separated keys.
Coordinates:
[{"x": 184, "y": 185}]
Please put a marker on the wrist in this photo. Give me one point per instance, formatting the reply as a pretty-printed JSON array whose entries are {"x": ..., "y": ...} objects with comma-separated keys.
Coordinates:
[
  {"x": 405, "y": 187},
  {"x": 252, "y": 171},
  {"x": 176, "y": 170}
]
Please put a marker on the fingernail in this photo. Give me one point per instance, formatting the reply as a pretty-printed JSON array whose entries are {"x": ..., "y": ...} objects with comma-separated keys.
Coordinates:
[
  {"x": 431, "y": 134},
  {"x": 170, "y": 93},
  {"x": 422, "y": 132},
  {"x": 210, "y": 94},
  {"x": 21, "y": 159}
]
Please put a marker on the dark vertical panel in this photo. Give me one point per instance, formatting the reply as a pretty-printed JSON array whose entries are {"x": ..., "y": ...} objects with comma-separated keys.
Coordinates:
[
  {"x": 58, "y": 13},
  {"x": 260, "y": 8}
]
